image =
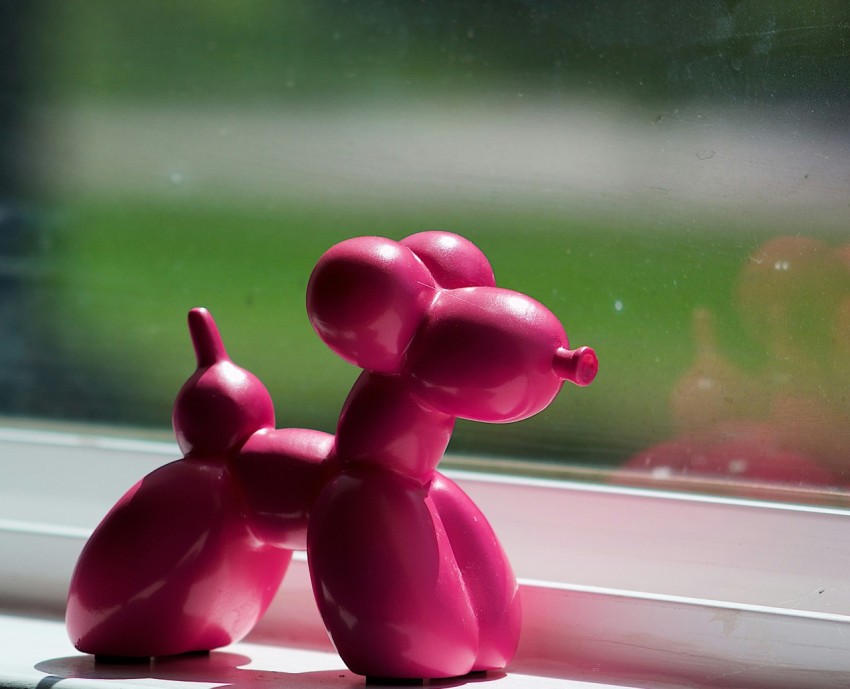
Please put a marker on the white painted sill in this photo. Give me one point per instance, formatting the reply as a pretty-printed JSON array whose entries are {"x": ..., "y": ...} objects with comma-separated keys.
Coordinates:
[{"x": 628, "y": 587}]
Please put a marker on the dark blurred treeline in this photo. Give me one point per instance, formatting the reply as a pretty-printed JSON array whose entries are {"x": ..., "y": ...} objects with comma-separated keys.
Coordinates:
[{"x": 753, "y": 50}]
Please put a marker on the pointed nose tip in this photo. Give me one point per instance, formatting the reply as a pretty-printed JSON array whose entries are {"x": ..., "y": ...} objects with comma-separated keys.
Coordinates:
[{"x": 579, "y": 366}]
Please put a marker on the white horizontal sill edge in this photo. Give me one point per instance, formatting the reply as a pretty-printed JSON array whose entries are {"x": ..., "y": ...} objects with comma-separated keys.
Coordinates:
[{"x": 674, "y": 587}]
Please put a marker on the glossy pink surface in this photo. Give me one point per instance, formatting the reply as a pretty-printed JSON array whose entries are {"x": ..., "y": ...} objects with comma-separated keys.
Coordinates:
[
  {"x": 281, "y": 472},
  {"x": 173, "y": 567},
  {"x": 382, "y": 424},
  {"x": 221, "y": 405},
  {"x": 408, "y": 575},
  {"x": 487, "y": 573},
  {"x": 386, "y": 579},
  {"x": 486, "y": 354},
  {"x": 452, "y": 260},
  {"x": 366, "y": 298}
]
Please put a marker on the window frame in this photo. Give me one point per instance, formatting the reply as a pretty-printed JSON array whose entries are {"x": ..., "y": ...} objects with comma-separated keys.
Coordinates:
[{"x": 618, "y": 584}]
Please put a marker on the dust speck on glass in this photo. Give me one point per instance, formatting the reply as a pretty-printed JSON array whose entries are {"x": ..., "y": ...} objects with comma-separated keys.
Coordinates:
[{"x": 671, "y": 179}]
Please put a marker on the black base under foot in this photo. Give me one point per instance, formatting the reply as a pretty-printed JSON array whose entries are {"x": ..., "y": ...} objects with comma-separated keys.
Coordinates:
[
  {"x": 121, "y": 660},
  {"x": 475, "y": 675},
  {"x": 192, "y": 654},
  {"x": 395, "y": 681}
]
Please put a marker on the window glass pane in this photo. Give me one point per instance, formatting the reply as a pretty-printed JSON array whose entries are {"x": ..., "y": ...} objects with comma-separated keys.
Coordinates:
[{"x": 671, "y": 179}]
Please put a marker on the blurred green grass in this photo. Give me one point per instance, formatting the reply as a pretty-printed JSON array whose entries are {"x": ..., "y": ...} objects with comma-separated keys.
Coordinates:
[
  {"x": 125, "y": 272},
  {"x": 128, "y": 272}
]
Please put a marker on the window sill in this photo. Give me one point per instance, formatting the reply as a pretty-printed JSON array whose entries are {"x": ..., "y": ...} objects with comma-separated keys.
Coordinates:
[
  {"x": 619, "y": 585},
  {"x": 36, "y": 656}
]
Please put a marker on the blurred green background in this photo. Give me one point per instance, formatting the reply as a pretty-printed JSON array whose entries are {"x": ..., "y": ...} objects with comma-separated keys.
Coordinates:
[{"x": 618, "y": 162}]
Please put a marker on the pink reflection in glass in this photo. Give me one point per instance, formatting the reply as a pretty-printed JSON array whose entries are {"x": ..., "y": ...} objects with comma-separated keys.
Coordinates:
[{"x": 789, "y": 423}]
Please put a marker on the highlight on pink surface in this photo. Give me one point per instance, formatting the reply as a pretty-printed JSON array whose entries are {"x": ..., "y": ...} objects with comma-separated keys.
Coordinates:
[
  {"x": 408, "y": 575},
  {"x": 280, "y": 473},
  {"x": 453, "y": 260},
  {"x": 579, "y": 366},
  {"x": 366, "y": 297},
  {"x": 173, "y": 567},
  {"x": 221, "y": 405}
]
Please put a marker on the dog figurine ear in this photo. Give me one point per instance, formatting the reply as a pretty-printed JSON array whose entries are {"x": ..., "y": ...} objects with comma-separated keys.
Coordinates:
[
  {"x": 453, "y": 260},
  {"x": 366, "y": 297}
]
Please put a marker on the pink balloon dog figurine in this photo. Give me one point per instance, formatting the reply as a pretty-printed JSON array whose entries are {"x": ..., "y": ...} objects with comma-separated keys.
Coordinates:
[
  {"x": 173, "y": 567},
  {"x": 408, "y": 575}
]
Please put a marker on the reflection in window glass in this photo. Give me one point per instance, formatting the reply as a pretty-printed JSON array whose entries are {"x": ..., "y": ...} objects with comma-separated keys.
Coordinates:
[{"x": 672, "y": 180}]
